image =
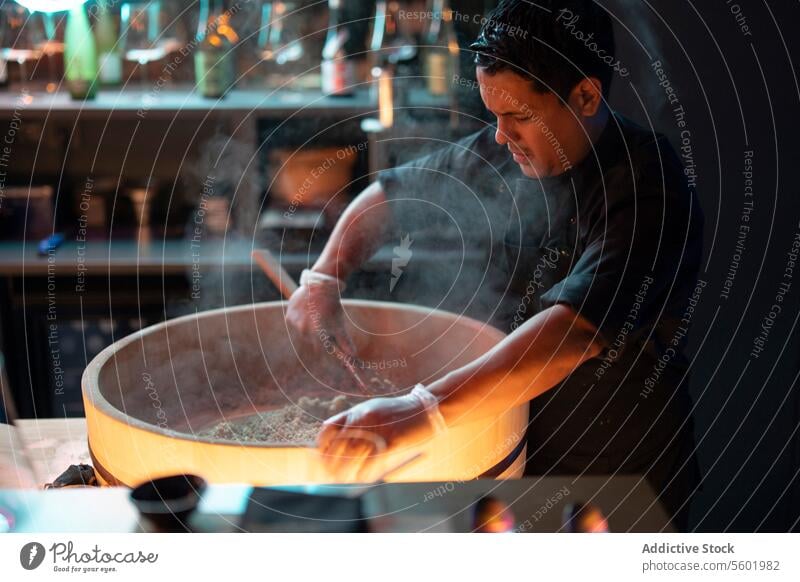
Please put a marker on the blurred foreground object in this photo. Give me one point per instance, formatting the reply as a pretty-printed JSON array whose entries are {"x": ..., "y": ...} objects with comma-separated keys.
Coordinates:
[
  {"x": 492, "y": 515},
  {"x": 584, "y": 518}
]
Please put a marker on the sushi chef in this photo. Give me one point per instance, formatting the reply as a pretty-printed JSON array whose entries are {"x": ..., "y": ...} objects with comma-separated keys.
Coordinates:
[{"x": 594, "y": 270}]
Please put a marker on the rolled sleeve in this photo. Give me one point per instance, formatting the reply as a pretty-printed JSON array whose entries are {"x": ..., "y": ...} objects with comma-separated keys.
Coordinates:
[{"x": 450, "y": 191}]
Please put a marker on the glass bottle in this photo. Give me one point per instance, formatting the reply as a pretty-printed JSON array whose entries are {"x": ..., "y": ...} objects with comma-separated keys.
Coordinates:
[
  {"x": 441, "y": 50},
  {"x": 215, "y": 57},
  {"x": 3, "y": 73},
  {"x": 337, "y": 68},
  {"x": 389, "y": 44},
  {"x": 109, "y": 57},
  {"x": 280, "y": 43},
  {"x": 80, "y": 55}
]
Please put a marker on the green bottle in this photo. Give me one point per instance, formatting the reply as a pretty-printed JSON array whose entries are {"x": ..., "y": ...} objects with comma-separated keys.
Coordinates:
[
  {"x": 108, "y": 55},
  {"x": 80, "y": 55},
  {"x": 214, "y": 59}
]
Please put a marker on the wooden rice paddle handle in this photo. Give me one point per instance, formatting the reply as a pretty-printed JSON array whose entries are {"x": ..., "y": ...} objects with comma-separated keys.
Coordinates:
[{"x": 275, "y": 271}]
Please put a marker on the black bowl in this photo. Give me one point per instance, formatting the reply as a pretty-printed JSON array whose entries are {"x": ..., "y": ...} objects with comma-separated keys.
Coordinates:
[{"x": 169, "y": 501}]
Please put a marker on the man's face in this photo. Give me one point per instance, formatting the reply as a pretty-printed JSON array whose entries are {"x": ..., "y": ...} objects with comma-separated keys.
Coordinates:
[{"x": 545, "y": 136}]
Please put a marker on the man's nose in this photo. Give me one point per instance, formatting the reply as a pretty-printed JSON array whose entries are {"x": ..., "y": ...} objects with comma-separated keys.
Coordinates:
[{"x": 502, "y": 135}]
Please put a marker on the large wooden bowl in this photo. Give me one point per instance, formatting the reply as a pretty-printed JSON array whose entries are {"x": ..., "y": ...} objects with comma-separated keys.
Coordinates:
[{"x": 149, "y": 394}]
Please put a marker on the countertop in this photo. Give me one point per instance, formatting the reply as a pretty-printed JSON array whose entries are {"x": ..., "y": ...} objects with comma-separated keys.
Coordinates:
[
  {"x": 184, "y": 100},
  {"x": 102, "y": 257},
  {"x": 537, "y": 502}
]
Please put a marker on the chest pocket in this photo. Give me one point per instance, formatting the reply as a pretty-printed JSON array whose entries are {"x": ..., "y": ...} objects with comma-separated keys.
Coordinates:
[{"x": 539, "y": 243}]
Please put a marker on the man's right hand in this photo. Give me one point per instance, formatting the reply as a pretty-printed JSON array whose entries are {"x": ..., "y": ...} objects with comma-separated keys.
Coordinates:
[{"x": 315, "y": 309}]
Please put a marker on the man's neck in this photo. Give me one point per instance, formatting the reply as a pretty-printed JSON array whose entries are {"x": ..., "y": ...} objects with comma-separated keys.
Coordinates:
[
  {"x": 593, "y": 128},
  {"x": 596, "y": 125}
]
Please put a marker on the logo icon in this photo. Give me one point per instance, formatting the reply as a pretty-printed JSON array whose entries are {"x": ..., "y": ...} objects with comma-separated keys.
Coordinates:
[
  {"x": 402, "y": 255},
  {"x": 31, "y": 555}
]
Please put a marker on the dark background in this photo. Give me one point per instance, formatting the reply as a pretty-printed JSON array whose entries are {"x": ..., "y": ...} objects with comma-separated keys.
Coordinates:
[{"x": 739, "y": 93}]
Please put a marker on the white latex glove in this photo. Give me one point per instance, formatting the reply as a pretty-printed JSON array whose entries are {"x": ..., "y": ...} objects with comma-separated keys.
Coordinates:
[
  {"x": 315, "y": 308},
  {"x": 351, "y": 440}
]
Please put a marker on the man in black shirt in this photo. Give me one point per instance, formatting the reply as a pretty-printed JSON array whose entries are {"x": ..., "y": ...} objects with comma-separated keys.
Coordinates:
[{"x": 593, "y": 242}]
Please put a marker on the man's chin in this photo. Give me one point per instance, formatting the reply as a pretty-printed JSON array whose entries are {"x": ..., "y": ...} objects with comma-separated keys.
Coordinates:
[{"x": 530, "y": 171}]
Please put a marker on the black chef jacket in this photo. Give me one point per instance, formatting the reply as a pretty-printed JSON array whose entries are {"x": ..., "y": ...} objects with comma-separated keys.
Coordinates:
[{"x": 618, "y": 237}]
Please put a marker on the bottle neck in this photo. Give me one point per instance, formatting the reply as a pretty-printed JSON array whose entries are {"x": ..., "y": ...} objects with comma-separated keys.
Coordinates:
[
  {"x": 77, "y": 18},
  {"x": 211, "y": 13},
  {"x": 211, "y": 9},
  {"x": 334, "y": 16},
  {"x": 338, "y": 34},
  {"x": 441, "y": 25},
  {"x": 217, "y": 6}
]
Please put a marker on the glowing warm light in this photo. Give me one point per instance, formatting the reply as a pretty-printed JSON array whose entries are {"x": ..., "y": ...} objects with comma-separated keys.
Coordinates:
[
  {"x": 229, "y": 33},
  {"x": 385, "y": 100},
  {"x": 50, "y": 5},
  {"x": 133, "y": 450},
  {"x": 225, "y": 29}
]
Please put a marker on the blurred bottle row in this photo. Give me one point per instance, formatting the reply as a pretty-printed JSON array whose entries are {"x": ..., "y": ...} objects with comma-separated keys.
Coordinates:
[{"x": 335, "y": 47}]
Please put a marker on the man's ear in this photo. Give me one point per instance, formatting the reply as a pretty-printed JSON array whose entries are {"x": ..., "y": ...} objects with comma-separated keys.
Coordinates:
[{"x": 587, "y": 96}]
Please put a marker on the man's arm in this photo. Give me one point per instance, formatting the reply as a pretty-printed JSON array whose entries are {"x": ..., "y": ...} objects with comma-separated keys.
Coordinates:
[
  {"x": 360, "y": 232},
  {"x": 530, "y": 361},
  {"x": 534, "y": 358}
]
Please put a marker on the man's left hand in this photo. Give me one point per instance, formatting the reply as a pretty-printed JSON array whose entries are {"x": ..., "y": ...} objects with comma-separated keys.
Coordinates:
[{"x": 352, "y": 441}]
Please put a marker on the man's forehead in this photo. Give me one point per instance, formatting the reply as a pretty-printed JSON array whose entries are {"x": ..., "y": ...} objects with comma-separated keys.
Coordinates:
[{"x": 502, "y": 98}]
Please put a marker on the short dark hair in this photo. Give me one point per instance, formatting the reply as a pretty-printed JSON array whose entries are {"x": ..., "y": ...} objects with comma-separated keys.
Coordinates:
[{"x": 556, "y": 42}]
